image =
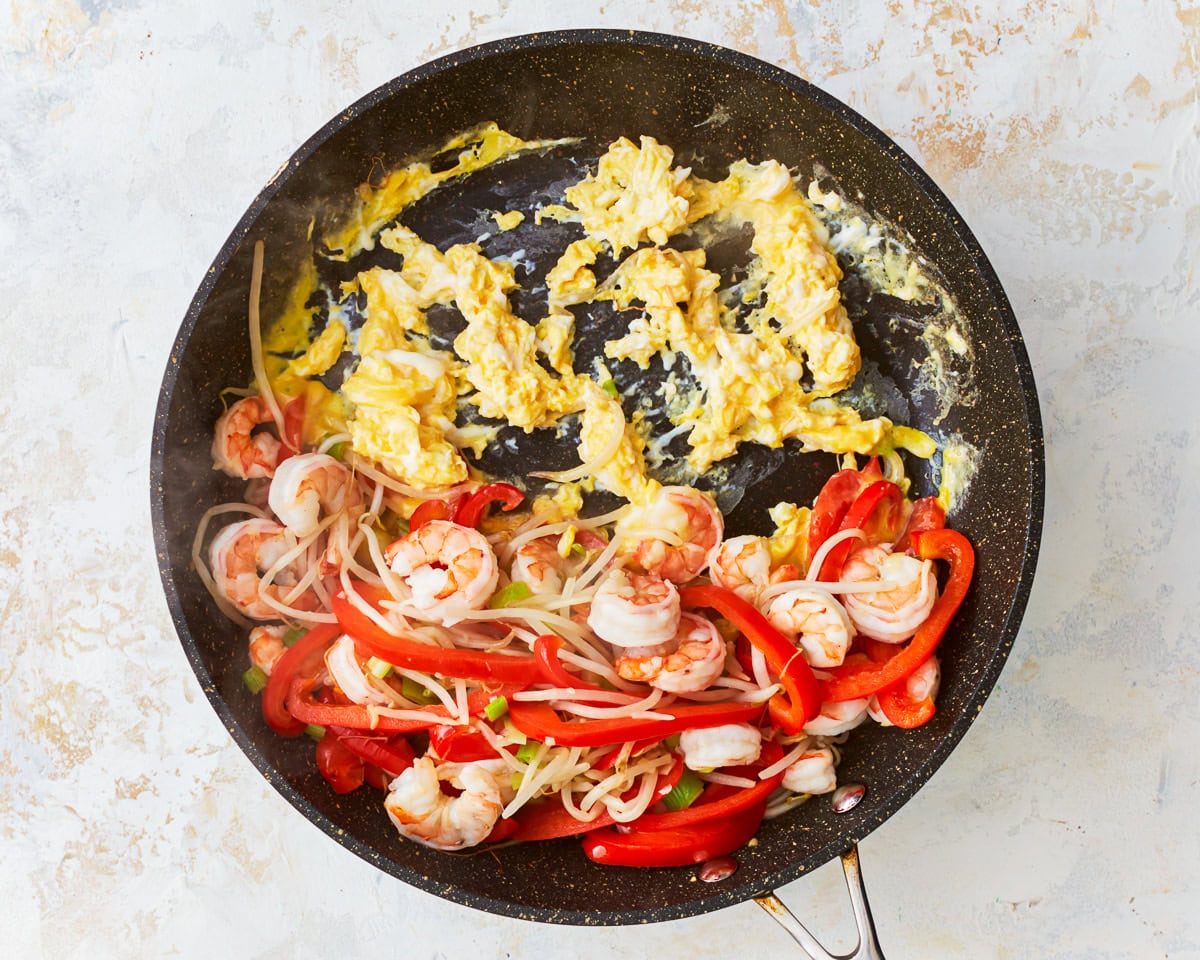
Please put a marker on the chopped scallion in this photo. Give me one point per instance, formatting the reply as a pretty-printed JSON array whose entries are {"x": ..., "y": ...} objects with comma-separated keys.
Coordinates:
[
  {"x": 379, "y": 668},
  {"x": 512, "y": 733},
  {"x": 416, "y": 692},
  {"x": 609, "y": 387},
  {"x": 672, "y": 742},
  {"x": 255, "y": 679},
  {"x": 315, "y": 731},
  {"x": 528, "y": 750},
  {"x": 684, "y": 793},
  {"x": 497, "y": 708},
  {"x": 290, "y": 638},
  {"x": 510, "y": 595}
]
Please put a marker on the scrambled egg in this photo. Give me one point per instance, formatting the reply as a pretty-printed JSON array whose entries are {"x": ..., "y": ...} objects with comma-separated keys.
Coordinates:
[{"x": 401, "y": 400}]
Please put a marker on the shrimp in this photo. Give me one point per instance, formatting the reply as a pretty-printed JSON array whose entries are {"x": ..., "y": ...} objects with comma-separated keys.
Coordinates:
[
  {"x": 342, "y": 662},
  {"x": 693, "y": 529},
  {"x": 697, "y": 660},
  {"x": 422, "y": 812},
  {"x": 634, "y": 609},
  {"x": 240, "y": 553},
  {"x": 538, "y": 564},
  {"x": 815, "y": 621},
  {"x": 447, "y": 567},
  {"x": 921, "y": 684},
  {"x": 836, "y": 718},
  {"x": 724, "y": 746},
  {"x": 266, "y": 646},
  {"x": 890, "y": 615},
  {"x": 236, "y": 449},
  {"x": 743, "y": 565},
  {"x": 812, "y": 773},
  {"x": 305, "y": 484}
]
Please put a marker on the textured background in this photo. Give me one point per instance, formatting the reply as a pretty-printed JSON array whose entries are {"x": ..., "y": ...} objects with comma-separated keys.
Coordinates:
[{"x": 132, "y": 136}]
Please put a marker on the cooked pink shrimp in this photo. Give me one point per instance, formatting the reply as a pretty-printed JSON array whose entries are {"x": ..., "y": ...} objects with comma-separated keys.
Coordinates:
[
  {"x": 890, "y": 615},
  {"x": 921, "y": 683},
  {"x": 725, "y": 746},
  {"x": 240, "y": 554},
  {"x": 836, "y": 718},
  {"x": 307, "y": 485},
  {"x": 538, "y": 564},
  {"x": 812, "y": 773},
  {"x": 447, "y": 567},
  {"x": 815, "y": 621},
  {"x": 693, "y": 527},
  {"x": 422, "y": 812},
  {"x": 743, "y": 565},
  {"x": 236, "y": 449},
  {"x": 266, "y": 646},
  {"x": 634, "y": 609},
  {"x": 697, "y": 659}
]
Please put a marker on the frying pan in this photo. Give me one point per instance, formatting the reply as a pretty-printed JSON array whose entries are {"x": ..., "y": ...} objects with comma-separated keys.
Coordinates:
[{"x": 712, "y": 105}]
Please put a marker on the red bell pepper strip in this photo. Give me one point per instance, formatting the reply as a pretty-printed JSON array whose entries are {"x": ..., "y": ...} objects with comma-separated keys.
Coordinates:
[
  {"x": 341, "y": 769},
  {"x": 390, "y": 753},
  {"x": 902, "y": 710},
  {"x": 457, "y": 744},
  {"x": 830, "y": 507},
  {"x": 673, "y": 848},
  {"x": 539, "y": 721},
  {"x": 304, "y": 707},
  {"x": 863, "y": 679},
  {"x": 301, "y": 658},
  {"x": 545, "y": 651},
  {"x": 882, "y": 494},
  {"x": 505, "y": 827},
  {"x": 375, "y": 777},
  {"x": 927, "y": 514},
  {"x": 473, "y": 508},
  {"x": 803, "y": 694},
  {"x": 428, "y": 510},
  {"x": 403, "y": 652}
]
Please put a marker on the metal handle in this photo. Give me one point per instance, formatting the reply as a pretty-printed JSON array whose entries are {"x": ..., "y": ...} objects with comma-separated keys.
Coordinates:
[{"x": 868, "y": 943}]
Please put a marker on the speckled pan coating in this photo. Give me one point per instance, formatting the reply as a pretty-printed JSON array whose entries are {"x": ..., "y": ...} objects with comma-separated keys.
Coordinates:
[{"x": 599, "y": 85}]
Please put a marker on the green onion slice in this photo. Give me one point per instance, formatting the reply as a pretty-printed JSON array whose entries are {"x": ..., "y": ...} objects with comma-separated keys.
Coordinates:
[
  {"x": 610, "y": 387},
  {"x": 511, "y": 595},
  {"x": 684, "y": 793},
  {"x": 416, "y": 692},
  {"x": 294, "y": 634},
  {"x": 496, "y": 709},
  {"x": 255, "y": 679},
  {"x": 316, "y": 731},
  {"x": 379, "y": 668},
  {"x": 528, "y": 750}
]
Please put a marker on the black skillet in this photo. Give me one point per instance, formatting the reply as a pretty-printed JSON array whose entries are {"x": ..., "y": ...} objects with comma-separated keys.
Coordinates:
[{"x": 712, "y": 105}]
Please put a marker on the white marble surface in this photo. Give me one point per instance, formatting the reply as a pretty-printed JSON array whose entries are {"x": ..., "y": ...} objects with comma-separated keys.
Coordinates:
[{"x": 133, "y": 133}]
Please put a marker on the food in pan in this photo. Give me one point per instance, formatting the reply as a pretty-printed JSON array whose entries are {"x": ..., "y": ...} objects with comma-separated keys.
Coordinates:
[{"x": 508, "y": 665}]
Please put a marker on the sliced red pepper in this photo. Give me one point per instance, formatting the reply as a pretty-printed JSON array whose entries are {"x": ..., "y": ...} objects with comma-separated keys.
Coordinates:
[
  {"x": 428, "y": 510},
  {"x": 473, "y": 508},
  {"x": 863, "y": 678},
  {"x": 882, "y": 494},
  {"x": 375, "y": 777},
  {"x": 389, "y": 752},
  {"x": 802, "y": 701},
  {"x": 540, "y": 722},
  {"x": 830, "y": 508},
  {"x": 304, "y": 707},
  {"x": 902, "y": 710},
  {"x": 403, "y": 652},
  {"x": 457, "y": 744},
  {"x": 505, "y": 827},
  {"x": 300, "y": 659},
  {"x": 927, "y": 514},
  {"x": 545, "y": 651},
  {"x": 342, "y": 769},
  {"x": 673, "y": 848},
  {"x": 609, "y": 760}
]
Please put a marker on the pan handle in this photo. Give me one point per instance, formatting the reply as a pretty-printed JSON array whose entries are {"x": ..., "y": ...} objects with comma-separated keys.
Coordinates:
[{"x": 868, "y": 943}]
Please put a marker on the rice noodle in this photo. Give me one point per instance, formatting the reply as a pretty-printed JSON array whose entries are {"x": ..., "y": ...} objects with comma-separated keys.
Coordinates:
[
  {"x": 818, "y": 560},
  {"x": 256, "y": 349},
  {"x": 766, "y": 773},
  {"x": 830, "y": 587},
  {"x": 594, "y": 464},
  {"x": 728, "y": 780}
]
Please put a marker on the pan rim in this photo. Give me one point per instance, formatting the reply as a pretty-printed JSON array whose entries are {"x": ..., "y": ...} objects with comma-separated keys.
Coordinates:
[{"x": 902, "y": 790}]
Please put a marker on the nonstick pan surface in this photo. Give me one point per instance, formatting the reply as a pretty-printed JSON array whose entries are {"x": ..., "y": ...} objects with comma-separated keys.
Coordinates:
[{"x": 712, "y": 106}]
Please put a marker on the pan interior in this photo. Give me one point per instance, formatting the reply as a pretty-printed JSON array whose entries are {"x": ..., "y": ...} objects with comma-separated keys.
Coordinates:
[{"x": 712, "y": 106}]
